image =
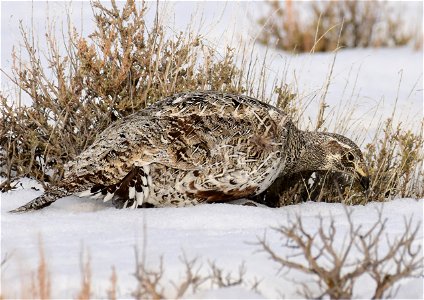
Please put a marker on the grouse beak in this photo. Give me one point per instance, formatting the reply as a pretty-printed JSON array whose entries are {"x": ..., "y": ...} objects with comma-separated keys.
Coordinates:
[
  {"x": 363, "y": 176},
  {"x": 365, "y": 182}
]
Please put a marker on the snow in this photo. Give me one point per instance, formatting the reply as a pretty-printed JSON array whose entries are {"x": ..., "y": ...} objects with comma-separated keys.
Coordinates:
[
  {"x": 365, "y": 84},
  {"x": 222, "y": 233}
]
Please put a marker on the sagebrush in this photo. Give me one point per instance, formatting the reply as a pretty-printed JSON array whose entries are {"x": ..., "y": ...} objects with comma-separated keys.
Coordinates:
[
  {"x": 121, "y": 67},
  {"x": 336, "y": 268},
  {"x": 125, "y": 65},
  {"x": 321, "y": 26}
]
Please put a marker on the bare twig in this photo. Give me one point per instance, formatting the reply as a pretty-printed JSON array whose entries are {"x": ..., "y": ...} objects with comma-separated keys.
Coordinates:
[{"x": 336, "y": 268}]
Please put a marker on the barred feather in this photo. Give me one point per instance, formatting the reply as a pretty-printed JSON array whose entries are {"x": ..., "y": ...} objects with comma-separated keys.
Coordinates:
[{"x": 198, "y": 147}]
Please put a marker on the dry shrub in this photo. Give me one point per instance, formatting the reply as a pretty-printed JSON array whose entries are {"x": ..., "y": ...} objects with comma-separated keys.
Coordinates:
[
  {"x": 286, "y": 100},
  {"x": 125, "y": 65},
  {"x": 363, "y": 24},
  {"x": 396, "y": 163},
  {"x": 151, "y": 283},
  {"x": 395, "y": 159},
  {"x": 336, "y": 268},
  {"x": 121, "y": 67}
]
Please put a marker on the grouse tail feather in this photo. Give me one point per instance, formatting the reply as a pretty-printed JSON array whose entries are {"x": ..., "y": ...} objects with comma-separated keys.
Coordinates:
[{"x": 40, "y": 202}]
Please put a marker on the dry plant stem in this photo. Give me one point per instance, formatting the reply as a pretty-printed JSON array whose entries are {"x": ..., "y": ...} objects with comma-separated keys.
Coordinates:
[
  {"x": 124, "y": 66},
  {"x": 85, "y": 291},
  {"x": 42, "y": 285},
  {"x": 334, "y": 268},
  {"x": 322, "y": 104},
  {"x": 221, "y": 279},
  {"x": 150, "y": 283},
  {"x": 192, "y": 279},
  {"x": 112, "y": 291},
  {"x": 367, "y": 24}
]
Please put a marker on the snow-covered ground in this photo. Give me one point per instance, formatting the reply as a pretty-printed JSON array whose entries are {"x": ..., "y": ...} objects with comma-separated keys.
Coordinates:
[
  {"x": 365, "y": 85},
  {"x": 222, "y": 233}
]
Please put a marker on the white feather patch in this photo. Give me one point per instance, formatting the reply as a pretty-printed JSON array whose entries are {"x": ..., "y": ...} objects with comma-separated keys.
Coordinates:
[
  {"x": 146, "y": 191},
  {"x": 85, "y": 193},
  {"x": 131, "y": 192},
  {"x": 139, "y": 197},
  {"x": 96, "y": 196},
  {"x": 177, "y": 100},
  {"x": 134, "y": 205},
  {"x": 108, "y": 197}
]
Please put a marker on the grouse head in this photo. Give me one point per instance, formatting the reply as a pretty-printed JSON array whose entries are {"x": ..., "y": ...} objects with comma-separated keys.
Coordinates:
[
  {"x": 343, "y": 155},
  {"x": 331, "y": 152}
]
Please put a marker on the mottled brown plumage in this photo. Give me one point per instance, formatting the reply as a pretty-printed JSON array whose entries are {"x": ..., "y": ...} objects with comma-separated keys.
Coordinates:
[{"x": 199, "y": 147}]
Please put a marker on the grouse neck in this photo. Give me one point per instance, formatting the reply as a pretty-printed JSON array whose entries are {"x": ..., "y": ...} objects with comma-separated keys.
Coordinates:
[{"x": 312, "y": 155}]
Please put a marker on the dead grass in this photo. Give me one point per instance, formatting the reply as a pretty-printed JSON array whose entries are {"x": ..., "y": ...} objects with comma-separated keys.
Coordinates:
[
  {"x": 124, "y": 65},
  {"x": 395, "y": 161},
  {"x": 394, "y": 156},
  {"x": 112, "y": 291},
  {"x": 86, "y": 281},
  {"x": 121, "y": 67},
  {"x": 313, "y": 26},
  {"x": 41, "y": 282},
  {"x": 151, "y": 283}
]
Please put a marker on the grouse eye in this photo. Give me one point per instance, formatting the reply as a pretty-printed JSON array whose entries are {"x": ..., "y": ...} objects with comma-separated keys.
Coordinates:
[{"x": 350, "y": 157}]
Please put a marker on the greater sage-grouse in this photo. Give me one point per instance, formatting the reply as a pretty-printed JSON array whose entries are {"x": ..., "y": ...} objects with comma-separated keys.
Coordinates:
[{"x": 199, "y": 147}]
